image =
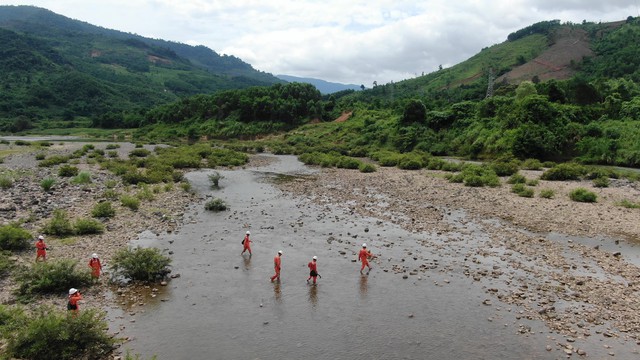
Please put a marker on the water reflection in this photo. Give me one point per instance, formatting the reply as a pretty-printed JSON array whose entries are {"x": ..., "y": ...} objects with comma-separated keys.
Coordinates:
[
  {"x": 313, "y": 295},
  {"x": 277, "y": 295},
  {"x": 363, "y": 286},
  {"x": 247, "y": 262}
]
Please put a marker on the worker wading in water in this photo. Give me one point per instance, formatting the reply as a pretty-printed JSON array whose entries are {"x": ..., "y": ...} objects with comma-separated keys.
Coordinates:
[
  {"x": 247, "y": 243},
  {"x": 313, "y": 270},
  {"x": 277, "y": 264},
  {"x": 364, "y": 257}
]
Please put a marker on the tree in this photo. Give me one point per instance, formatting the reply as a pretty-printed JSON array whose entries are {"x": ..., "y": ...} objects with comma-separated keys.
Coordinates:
[{"x": 414, "y": 112}]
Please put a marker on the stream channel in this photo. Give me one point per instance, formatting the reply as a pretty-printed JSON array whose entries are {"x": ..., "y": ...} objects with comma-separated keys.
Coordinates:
[{"x": 223, "y": 305}]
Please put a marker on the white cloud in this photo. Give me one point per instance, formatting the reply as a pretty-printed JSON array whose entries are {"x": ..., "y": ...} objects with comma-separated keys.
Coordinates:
[{"x": 356, "y": 41}]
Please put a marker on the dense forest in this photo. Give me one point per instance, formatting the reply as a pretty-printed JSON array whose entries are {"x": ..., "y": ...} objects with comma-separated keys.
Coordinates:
[
  {"x": 589, "y": 111},
  {"x": 58, "y": 72}
]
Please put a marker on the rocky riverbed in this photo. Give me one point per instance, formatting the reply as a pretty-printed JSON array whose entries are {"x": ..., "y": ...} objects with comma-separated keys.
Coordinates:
[{"x": 573, "y": 266}]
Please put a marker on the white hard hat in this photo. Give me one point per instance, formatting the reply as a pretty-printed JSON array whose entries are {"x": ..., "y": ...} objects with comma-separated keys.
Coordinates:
[
  {"x": 94, "y": 255},
  {"x": 315, "y": 258},
  {"x": 40, "y": 237},
  {"x": 364, "y": 245},
  {"x": 280, "y": 252},
  {"x": 248, "y": 232},
  {"x": 72, "y": 291}
]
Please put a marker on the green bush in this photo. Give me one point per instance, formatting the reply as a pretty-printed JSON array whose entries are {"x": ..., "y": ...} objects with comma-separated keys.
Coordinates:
[
  {"x": 112, "y": 154},
  {"x": 601, "y": 182},
  {"x": 139, "y": 153},
  {"x": 505, "y": 168},
  {"x": 562, "y": 172},
  {"x": 22, "y": 143},
  {"x": 6, "y": 266},
  {"x": 47, "y": 183},
  {"x": 144, "y": 193},
  {"x": 522, "y": 190},
  {"x": 186, "y": 186},
  {"x": 517, "y": 179},
  {"x": 82, "y": 178},
  {"x": 533, "y": 182},
  {"x": 59, "y": 225},
  {"x": 48, "y": 334},
  {"x": 410, "y": 162},
  {"x": 53, "y": 160},
  {"x": 111, "y": 194},
  {"x": 629, "y": 204},
  {"x": 40, "y": 156},
  {"x": 6, "y": 182},
  {"x": 140, "y": 264},
  {"x": 103, "y": 210},
  {"x": 215, "y": 205},
  {"x": 214, "y": 179},
  {"x": 87, "y": 227},
  {"x": 13, "y": 237},
  {"x": 67, "y": 171},
  {"x": 582, "y": 195},
  {"x": 452, "y": 166},
  {"x": 112, "y": 146},
  {"x": 130, "y": 201},
  {"x": 547, "y": 193},
  {"x": 476, "y": 176},
  {"x": 435, "y": 164},
  {"x": 531, "y": 164},
  {"x": 51, "y": 277},
  {"x": 367, "y": 168}
]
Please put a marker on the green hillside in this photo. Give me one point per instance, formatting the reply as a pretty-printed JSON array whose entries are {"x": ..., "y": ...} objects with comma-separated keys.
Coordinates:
[{"x": 68, "y": 72}]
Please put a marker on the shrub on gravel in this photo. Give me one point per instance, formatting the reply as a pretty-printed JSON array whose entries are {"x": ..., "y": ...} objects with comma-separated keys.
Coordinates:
[
  {"x": 517, "y": 179},
  {"x": 531, "y": 164},
  {"x": 87, "y": 227},
  {"x": 367, "y": 168},
  {"x": 82, "y": 178},
  {"x": 563, "y": 172},
  {"x": 13, "y": 237},
  {"x": 476, "y": 176},
  {"x": 522, "y": 190},
  {"x": 130, "y": 201},
  {"x": 53, "y": 160},
  {"x": 629, "y": 204},
  {"x": 6, "y": 265},
  {"x": 582, "y": 195},
  {"x": 505, "y": 168},
  {"x": 47, "y": 333},
  {"x": 6, "y": 182},
  {"x": 67, "y": 171},
  {"x": 51, "y": 277},
  {"x": 140, "y": 264},
  {"x": 58, "y": 225},
  {"x": 215, "y": 205},
  {"x": 601, "y": 182},
  {"x": 547, "y": 193},
  {"x": 47, "y": 183},
  {"x": 103, "y": 210}
]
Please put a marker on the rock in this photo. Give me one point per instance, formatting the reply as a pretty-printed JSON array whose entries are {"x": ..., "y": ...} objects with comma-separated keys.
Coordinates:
[{"x": 163, "y": 283}]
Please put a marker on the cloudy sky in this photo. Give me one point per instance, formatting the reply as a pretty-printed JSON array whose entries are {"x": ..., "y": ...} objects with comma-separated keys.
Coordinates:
[{"x": 347, "y": 41}]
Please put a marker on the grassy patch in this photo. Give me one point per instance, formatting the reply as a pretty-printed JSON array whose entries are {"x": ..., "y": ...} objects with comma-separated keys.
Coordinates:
[
  {"x": 51, "y": 277},
  {"x": 583, "y": 195},
  {"x": 103, "y": 210},
  {"x": 563, "y": 172},
  {"x": 67, "y": 171},
  {"x": 87, "y": 227},
  {"x": 629, "y": 204},
  {"x": 82, "y": 178},
  {"x": 13, "y": 237},
  {"x": 130, "y": 201},
  {"x": 59, "y": 224}
]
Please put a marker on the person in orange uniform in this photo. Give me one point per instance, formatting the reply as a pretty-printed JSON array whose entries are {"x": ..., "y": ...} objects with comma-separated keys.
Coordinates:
[
  {"x": 247, "y": 243},
  {"x": 41, "y": 249},
  {"x": 277, "y": 263},
  {"x": 313, "y": 269},
  {"x": 74, "y": 298},
  {"x": 364, "y": 257},
  {"x": 96, "y": 266}
]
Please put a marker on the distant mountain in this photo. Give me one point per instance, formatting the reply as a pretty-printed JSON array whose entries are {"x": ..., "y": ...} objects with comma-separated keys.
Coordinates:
[
  {"x": 57, "y": 68},
  {"x": 324, "y": 87}
]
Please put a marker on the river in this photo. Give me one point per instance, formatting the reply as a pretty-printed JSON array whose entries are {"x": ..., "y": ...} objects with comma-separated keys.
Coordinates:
[{"x": 223, "y": 305}]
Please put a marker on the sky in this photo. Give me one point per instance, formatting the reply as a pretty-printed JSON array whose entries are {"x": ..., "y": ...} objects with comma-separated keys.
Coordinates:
[{"x": 344, "y": 41}]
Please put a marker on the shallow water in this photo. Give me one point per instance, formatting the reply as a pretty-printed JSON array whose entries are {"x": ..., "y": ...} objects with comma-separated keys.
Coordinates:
[{"x": 223, "y": 305}]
